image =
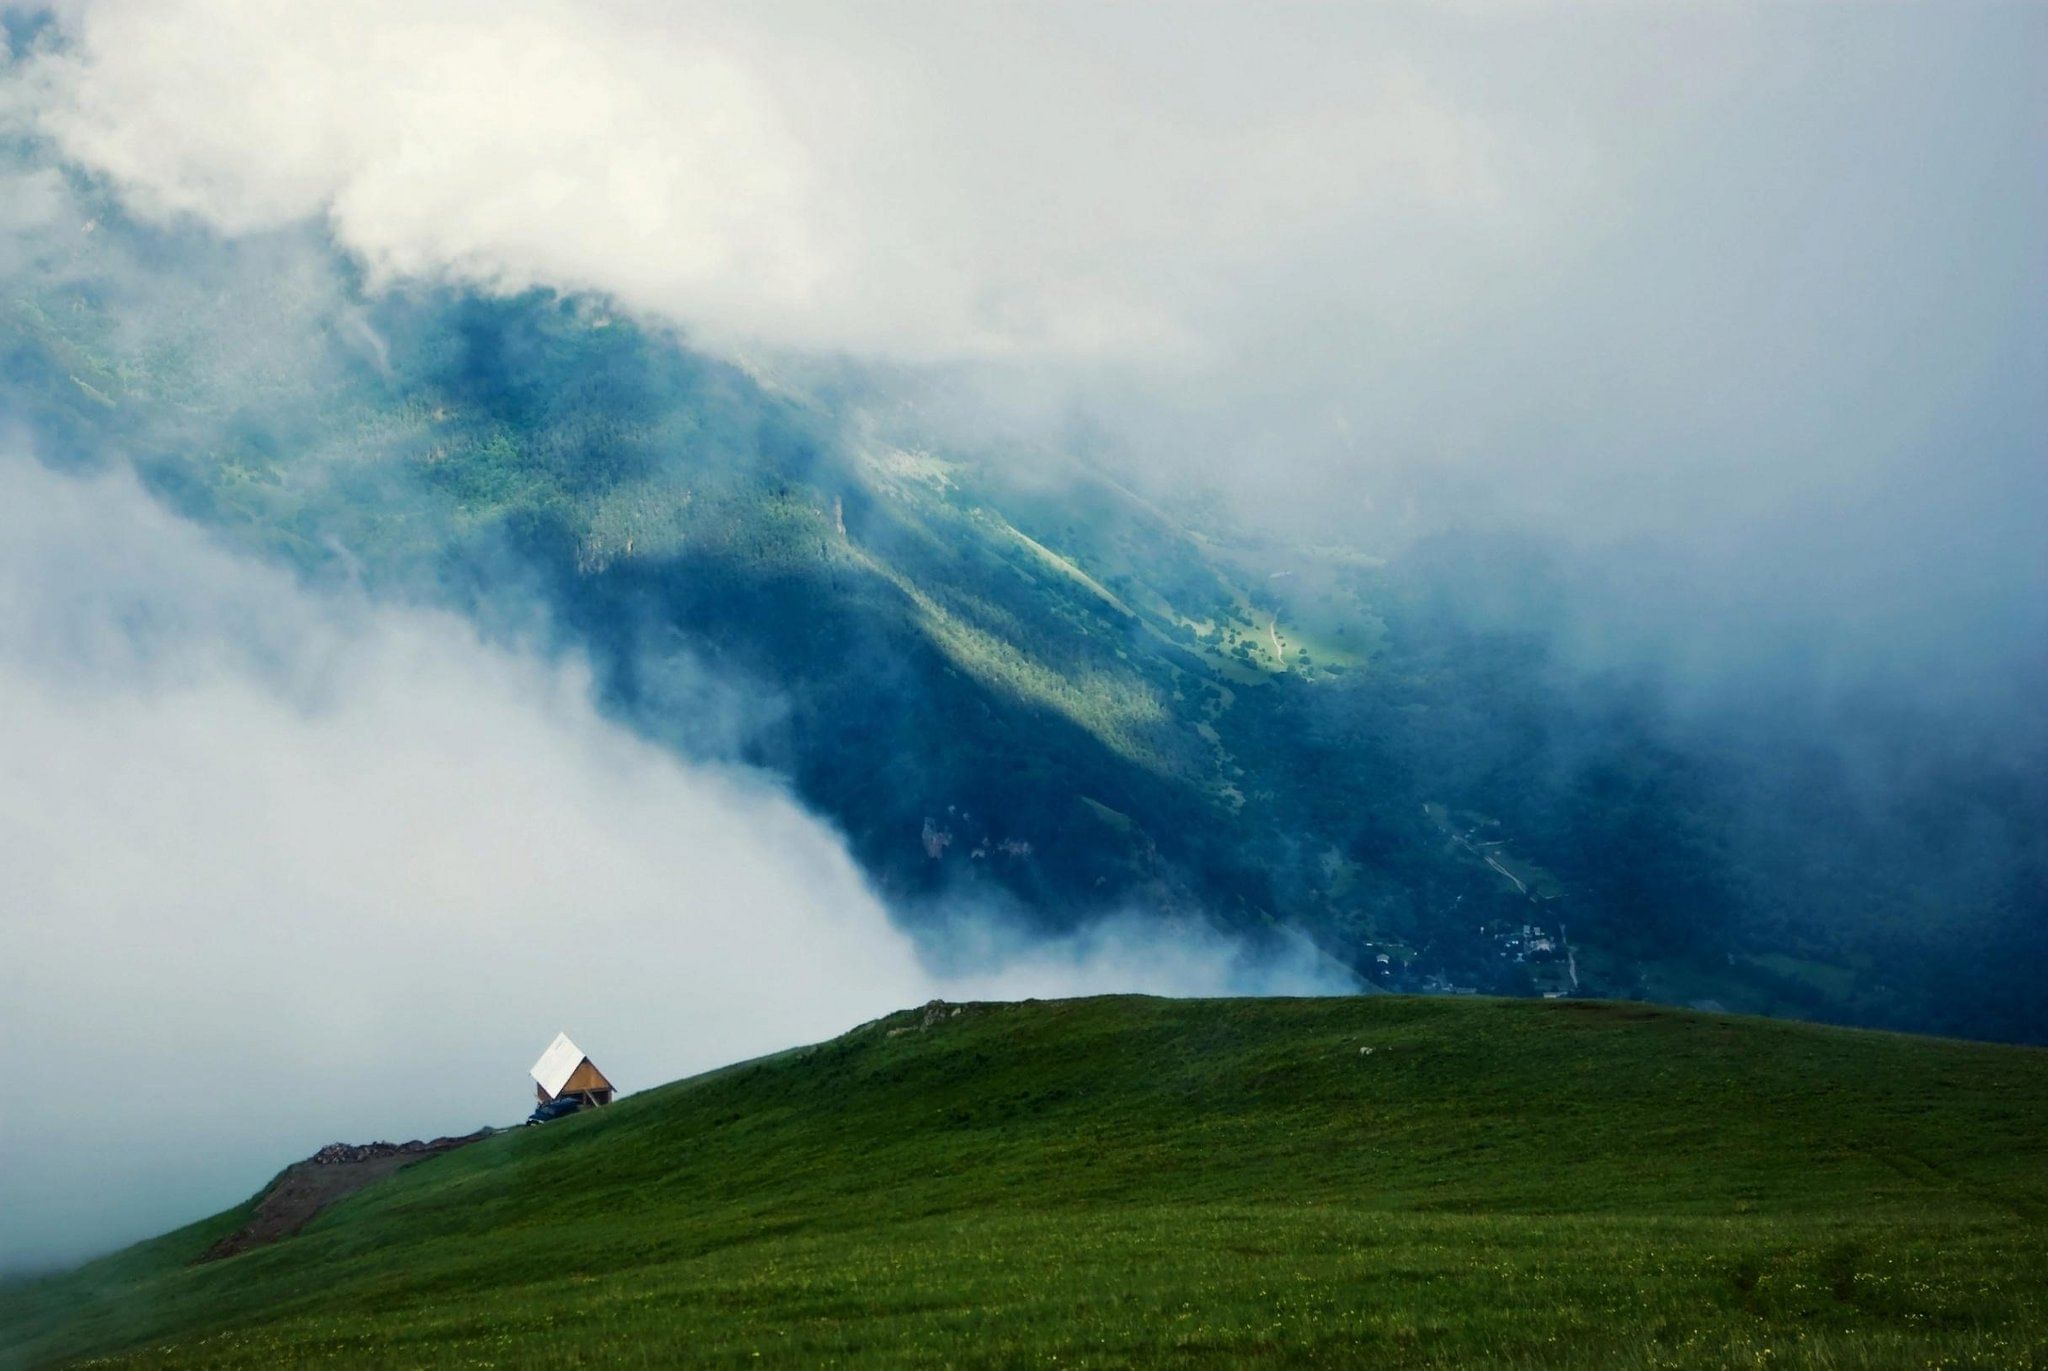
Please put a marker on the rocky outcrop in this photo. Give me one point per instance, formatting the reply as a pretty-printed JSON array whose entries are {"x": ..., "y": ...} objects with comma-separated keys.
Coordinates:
[
  {"x": 343, "y": 1153},
  {"x": 335, "y": 1172}
]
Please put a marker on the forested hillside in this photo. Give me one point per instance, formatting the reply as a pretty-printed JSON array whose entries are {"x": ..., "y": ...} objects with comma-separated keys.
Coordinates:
[{"x": 1017, "y": 682}]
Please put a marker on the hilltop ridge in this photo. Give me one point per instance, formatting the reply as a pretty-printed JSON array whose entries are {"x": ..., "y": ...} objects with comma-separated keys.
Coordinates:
[{"x": 1410, "y": 1181}]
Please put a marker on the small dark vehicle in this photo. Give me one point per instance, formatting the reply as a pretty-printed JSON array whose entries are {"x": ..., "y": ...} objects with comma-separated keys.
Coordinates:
[{"x": 558, "y": 1108}]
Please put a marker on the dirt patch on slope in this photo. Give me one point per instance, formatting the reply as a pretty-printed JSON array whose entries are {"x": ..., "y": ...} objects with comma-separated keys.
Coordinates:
[{"x": 335, "y": 1172}]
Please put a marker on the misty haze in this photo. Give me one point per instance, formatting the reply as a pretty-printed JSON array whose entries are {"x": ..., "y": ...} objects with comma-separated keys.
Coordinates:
[{"x": 1128, "y": 669}]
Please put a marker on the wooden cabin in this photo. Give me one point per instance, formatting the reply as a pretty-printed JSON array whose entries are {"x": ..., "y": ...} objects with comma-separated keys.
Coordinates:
[{"x": 564, "y": 1070}]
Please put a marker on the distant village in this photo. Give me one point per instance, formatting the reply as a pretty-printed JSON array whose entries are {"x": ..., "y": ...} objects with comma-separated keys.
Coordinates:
[
  {"x": 1493, "y": 942},
  {"x": 1506, "y": 958}
]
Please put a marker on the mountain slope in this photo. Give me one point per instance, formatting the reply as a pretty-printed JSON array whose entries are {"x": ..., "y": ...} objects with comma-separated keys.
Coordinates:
[
  {"x": 1013, "y": 682},
  {"x": 1100, "y": 1180}
]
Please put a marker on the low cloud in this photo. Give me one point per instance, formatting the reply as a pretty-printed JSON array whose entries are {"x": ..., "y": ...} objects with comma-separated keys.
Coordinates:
[
  {"x": 1370, "y": 272},
  {"x": 917, "y": 183},
  {"x": 285, "y": 867}
]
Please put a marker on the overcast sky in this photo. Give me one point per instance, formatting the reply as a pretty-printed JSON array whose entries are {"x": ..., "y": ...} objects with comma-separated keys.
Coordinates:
[{"x": 1767, "y": 285}]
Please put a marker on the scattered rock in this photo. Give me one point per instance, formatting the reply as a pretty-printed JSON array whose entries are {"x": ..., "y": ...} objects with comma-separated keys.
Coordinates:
[
  {"x": 335, "y": 1172},
  {"x": 335, "y": 1153}
]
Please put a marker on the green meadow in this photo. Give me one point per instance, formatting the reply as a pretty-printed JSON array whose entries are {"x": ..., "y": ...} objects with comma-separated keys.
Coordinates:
[{"x": 1384, "y": 1181}]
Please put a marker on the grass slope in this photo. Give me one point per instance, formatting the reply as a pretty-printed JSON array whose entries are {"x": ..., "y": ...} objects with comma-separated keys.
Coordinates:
[{"x": 1122, "y": 1179}]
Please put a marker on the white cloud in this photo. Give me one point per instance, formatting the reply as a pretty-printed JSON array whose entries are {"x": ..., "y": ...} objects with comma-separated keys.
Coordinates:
[
  {"x": 1371, "y": 269},
  {"x": 285, "y": 867},
  {"x": 917, "y": 182}
]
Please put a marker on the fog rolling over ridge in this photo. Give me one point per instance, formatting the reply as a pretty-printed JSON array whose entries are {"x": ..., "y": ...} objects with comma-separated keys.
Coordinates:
[
  {"x": 704, "y": 524},
  {"x": 1329, "y": 258},
  {"x": 285, "y": 868},
  {"x": 1764, "y": 340}
]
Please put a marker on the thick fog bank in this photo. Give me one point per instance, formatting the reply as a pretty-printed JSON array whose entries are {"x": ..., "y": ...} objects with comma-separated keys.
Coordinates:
[
  {"x": 1762, "y": 343},
  {"x": 285, "y": 868}
]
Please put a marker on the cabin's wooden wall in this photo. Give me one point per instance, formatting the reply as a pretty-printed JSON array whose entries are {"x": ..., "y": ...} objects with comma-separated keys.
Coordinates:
[{"x": 585, "y": 1077}]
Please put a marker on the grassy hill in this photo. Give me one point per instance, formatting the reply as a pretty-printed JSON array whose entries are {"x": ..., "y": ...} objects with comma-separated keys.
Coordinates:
[{"x": 1436, "y": 1182}]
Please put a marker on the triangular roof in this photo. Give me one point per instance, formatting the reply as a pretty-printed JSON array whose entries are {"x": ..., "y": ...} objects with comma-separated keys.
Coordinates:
[{"x": 557, "y": 1065}]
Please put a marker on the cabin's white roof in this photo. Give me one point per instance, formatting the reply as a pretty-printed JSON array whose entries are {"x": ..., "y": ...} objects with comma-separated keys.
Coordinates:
[{"x": 557, "y": 1064}]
